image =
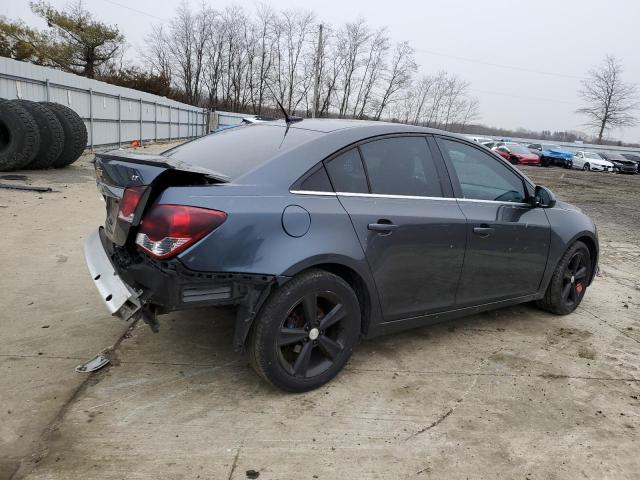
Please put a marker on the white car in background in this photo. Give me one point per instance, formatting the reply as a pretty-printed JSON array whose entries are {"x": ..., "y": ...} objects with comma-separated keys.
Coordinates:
[{"x": 591, "y": 161}]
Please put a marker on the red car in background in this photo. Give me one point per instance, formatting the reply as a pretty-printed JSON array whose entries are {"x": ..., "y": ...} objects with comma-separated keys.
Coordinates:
[{"x": 517, "y": 154}]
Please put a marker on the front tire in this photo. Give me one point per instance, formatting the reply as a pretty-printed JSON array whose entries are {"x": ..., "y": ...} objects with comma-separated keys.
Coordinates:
[
  {"x": 569, "y": 281},
  {"x": 586, "y": 167},
  {"x": 306, "y": 332}
]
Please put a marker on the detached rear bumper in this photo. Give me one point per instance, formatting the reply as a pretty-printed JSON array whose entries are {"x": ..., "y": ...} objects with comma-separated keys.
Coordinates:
[{"x": 121, "y": 299}]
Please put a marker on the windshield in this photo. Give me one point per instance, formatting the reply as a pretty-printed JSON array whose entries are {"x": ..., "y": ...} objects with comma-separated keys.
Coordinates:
[
  {"x": 236, "y": 151},
  {"x": 615, "y": 156},
  {"x": 593, "y": 156},
  {"x": 518, "y": 149}
]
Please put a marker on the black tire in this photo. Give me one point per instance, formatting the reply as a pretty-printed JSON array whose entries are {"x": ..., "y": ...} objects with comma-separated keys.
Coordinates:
[
  {"x": 75, "y": 134},
  {"x": 569, "y": 281},
  {"x": 568, "y": 164},
  {"x": 514, "y": 161},
  {"x": 51, "y": 135},
  {"x": 586, "y": 167},
  {"x": 298, "y": 349},
  {"x": 545, "y": 162},
  {"x": 19, "y": 136}
]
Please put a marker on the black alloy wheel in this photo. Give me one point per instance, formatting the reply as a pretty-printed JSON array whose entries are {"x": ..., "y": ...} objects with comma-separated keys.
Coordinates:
[
  {"x": 306, "y": 331},
  {"x": 311, "y": 337},
  {"x": 569, "y": 281},
  {"x": 574, "y": 280},
  {"x": 586, "y": 167}
]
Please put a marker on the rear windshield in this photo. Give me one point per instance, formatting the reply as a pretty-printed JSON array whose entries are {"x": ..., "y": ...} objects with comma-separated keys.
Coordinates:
[{"x": 238, "y": 150}]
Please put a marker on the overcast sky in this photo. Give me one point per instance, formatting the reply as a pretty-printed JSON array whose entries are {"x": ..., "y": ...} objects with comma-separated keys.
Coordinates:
[{"x": 523, "y": 58}]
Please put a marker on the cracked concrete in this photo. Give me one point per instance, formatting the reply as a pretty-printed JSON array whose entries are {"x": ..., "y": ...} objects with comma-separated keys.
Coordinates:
[{"x": 503, "y": 394}]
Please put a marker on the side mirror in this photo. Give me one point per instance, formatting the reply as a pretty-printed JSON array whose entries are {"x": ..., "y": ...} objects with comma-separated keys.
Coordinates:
[{"x": 544, "y": 197}]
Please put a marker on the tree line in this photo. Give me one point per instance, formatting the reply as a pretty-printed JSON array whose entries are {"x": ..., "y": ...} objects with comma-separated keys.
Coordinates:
[{"x": 232, "y": 59}]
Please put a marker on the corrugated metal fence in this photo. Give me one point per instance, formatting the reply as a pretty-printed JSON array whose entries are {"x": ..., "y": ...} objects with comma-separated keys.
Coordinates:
[{"x": 113, "y": 115}]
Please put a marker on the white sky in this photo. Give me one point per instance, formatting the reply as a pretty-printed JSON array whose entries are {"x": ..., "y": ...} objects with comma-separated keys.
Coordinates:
[{"x": 476, "y": 39}]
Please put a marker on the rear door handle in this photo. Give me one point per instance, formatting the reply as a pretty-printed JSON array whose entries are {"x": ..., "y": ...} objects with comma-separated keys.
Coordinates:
[
  {"x": 483, "y": 231},
  {"x": 382, "y": 227}
]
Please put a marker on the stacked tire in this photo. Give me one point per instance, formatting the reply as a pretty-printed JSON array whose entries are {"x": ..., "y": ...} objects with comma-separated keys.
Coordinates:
[{"x": 39, "y": 135}]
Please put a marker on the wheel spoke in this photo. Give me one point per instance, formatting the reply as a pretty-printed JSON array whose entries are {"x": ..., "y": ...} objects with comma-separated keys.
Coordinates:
[
  {"x": 329, "y": 347},
  {"x": 581, "y": 273},
  {"x": 288, "y": 336},
  {"x": 573, "y": 293},
  {"x": 336, "y": 314},
  {"x": 575, "y": 262},
  {"x": 301, "y": 364},
  {"x": 310, "y": 307},
  {"x": 566, "y": 290}
]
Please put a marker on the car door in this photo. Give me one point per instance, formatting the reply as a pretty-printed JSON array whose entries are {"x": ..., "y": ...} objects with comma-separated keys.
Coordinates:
[
  {"x": 578, "y": 160},
  {"x": 411, "y": 230},
  {"x": 507, "y": 239}
]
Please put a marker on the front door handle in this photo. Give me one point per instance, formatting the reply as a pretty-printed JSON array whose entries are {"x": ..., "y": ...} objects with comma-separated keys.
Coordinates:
[
  {"x": 382, "y": 226},
  {"x": 483, "y": 231}
]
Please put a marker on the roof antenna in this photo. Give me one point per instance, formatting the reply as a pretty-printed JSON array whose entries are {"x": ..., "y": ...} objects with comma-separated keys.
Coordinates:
[{"x": 288, "y": 118}]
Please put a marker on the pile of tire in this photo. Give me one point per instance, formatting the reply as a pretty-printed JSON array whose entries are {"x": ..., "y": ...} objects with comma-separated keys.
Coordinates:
[{"x": 38, "y": 135}]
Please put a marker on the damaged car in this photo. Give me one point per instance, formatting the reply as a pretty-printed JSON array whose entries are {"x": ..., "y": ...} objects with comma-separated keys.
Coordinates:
[{"x": 321, "y": 233}]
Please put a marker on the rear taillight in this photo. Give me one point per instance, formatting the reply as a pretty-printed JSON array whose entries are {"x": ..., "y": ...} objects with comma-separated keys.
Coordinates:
[
  {"x": 166, "y": 230},
  {"x": 130, "y": 200}
]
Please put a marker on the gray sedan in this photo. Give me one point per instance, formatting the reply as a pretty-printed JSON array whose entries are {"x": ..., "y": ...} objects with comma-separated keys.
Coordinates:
[{"x": 324, "y": 232}]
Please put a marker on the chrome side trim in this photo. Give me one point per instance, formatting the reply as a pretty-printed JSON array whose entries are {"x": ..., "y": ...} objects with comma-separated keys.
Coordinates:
[
  {"x": 517, "y": 204},
  {"x": 311, "y": 192},
  {"x": 400, "y": 197},
  {"x": 403, "y": 197}
]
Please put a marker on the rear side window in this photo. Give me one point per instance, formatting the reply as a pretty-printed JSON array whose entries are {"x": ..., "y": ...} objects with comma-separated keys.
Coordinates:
[
  {"x": 401, "y": 166},
  {"x": 347, "y": 174},
  {"x": 317, "y": 182},
  {"x": 481, "y": 175},
  {"x": 236, "y": 151}
]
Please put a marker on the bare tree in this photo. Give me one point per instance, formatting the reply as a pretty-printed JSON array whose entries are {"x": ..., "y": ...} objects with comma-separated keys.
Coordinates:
[
  {"x": 403, "y": 66},
  {"x": 610, "y": 101}
]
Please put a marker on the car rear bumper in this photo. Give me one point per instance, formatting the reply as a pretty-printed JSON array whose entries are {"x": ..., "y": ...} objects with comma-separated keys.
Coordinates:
[
  {"x": 130, "y": 282},
  {"x": 121, "y": 299}
]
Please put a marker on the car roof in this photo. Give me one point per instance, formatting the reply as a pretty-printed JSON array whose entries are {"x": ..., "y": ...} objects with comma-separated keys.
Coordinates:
[{"x": 328, "y": 125}]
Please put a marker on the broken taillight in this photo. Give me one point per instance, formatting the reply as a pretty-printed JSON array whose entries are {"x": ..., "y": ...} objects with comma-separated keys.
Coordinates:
[
  {"x": 130, "y": 200},
  {"x": 167, "y": 230}
]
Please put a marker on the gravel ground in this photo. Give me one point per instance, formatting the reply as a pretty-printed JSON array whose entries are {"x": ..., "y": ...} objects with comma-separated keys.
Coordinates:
[{"x": 514, "y": 393}]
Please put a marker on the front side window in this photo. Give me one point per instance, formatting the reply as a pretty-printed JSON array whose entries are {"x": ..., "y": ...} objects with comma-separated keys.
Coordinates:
[
  {"x": 401, "y": 166},
  {"x": 481, "y": 176},
  {"x": 347, "y": 173}
]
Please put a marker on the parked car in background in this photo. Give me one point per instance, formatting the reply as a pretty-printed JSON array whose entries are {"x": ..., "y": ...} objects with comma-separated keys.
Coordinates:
[
  {"x": 591, "y": 161},
  {"x": 551, "y": 154},
  {"x": 325, "y": 232},
  {"x": 633, "y": 157},
  {"x": 620, "y": 164},
  {"x": 517, "y": 154},
  {"x": 481, "y": 140}
]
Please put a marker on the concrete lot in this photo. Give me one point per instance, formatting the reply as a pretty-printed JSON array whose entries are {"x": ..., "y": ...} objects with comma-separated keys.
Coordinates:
[{"x": 515, "y": 393}]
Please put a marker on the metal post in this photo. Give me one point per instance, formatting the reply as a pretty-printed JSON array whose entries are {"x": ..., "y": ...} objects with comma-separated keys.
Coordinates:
[
  {"x": 169, "y": 122},
  {"x": 178, "y": 136},
  {"x": 46, "y": 82},
  {"x": 91, "y": 117},
  {"x": 119, "y": 120},
  {"x": 155, "y": 121},
  {"x": 140, "y": 126}
]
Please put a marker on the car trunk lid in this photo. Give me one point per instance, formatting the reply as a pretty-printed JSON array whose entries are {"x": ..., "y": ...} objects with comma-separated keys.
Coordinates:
[{"x": 129, "y": 181}]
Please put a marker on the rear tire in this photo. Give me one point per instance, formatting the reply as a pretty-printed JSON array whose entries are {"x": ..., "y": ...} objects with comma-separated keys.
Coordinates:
[
  {"x": 19, "y": 136},
  {"x": 586, "y": 167},
  {"x": 306, "y": 332},
  {"x": 51, "y": 135},
  {"x": 569, "y": 281},
  {"x": 75, "y": 134}
]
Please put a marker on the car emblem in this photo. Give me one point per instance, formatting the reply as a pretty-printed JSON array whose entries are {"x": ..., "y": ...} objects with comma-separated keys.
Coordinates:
[{"x": 135, "y": 178}]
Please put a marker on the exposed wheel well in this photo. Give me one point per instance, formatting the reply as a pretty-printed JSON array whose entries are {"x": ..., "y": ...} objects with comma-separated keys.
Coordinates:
[{"x": 359, "y": 287}]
